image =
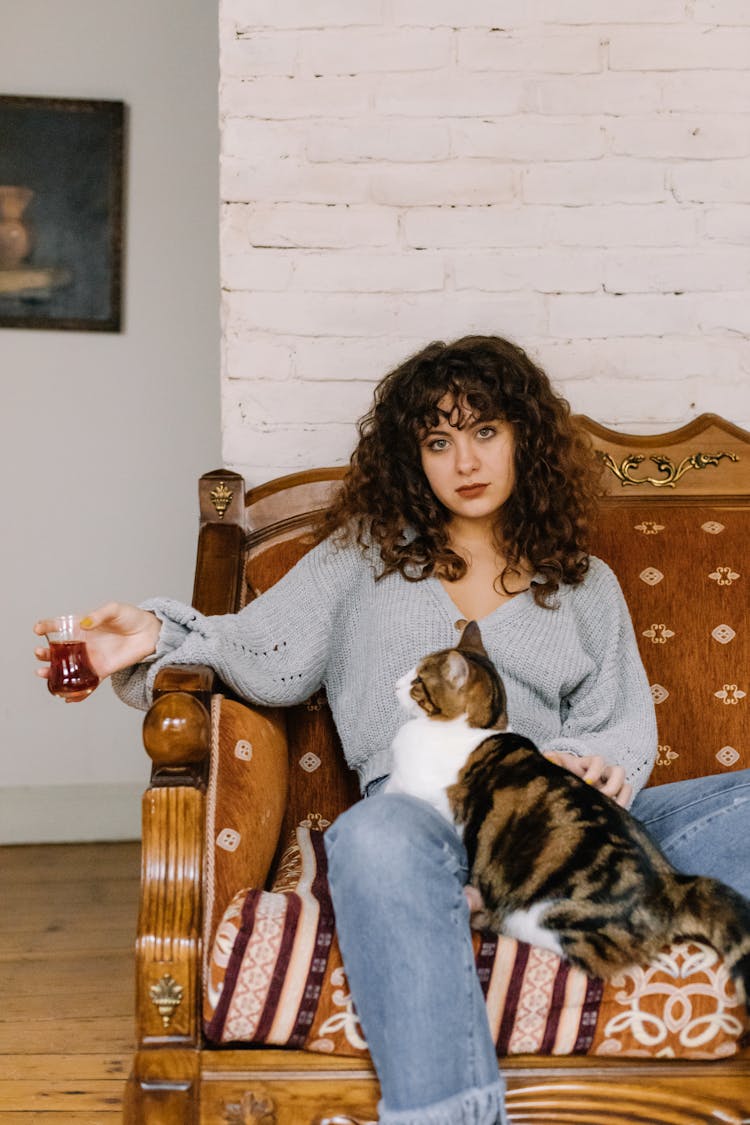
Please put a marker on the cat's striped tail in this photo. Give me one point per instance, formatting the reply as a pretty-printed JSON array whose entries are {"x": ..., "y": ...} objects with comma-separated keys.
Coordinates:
[{"x": 713, "y": 913}]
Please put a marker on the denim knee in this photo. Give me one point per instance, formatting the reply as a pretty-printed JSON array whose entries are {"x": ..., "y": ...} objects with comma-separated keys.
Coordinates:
[{"x": 393, "y": 835}]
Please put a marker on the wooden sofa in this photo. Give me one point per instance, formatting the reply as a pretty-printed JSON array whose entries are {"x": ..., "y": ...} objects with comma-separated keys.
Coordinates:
[{"x": 683, "y": 497}]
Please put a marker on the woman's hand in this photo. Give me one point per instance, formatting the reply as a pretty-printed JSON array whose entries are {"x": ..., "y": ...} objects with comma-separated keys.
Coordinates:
[
  {"x": 117, "y": 635},
  {"x": 610, "y": 780},
  {"x": 479, "y": 919}
]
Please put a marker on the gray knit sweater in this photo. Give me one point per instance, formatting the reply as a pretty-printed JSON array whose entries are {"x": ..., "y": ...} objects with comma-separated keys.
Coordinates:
[{"x": 573, "y": 675}]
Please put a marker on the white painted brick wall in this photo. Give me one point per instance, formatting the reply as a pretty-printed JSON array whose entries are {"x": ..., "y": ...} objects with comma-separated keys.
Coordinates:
[{"x": 574, "y": 174}]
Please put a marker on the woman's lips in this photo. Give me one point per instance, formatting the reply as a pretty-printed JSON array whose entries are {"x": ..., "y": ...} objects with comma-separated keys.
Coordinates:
[{"x": 471, "y": 490}]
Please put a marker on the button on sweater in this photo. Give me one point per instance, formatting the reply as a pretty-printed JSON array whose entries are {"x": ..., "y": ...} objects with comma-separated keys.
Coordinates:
[{"x": 573, "y": 675}]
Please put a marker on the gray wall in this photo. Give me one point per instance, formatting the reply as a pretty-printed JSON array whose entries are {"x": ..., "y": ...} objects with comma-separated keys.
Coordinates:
[{"x": 103, "y": 436}]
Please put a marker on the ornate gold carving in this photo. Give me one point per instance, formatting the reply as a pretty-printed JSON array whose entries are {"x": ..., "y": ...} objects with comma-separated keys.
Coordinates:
[
  {"x": 221, "y": 498},
  {"x": 649, "y": 527},
  {"x": 166, "y": 995},
  {"x": 250, "y": 1111},
  {"x": 664, "y": 464}
]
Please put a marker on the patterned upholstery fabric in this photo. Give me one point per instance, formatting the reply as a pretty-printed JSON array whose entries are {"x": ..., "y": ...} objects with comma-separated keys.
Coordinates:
[
  {"x": 684, "y": 577},
  {"x": 273, "y": 971},
  {"x": 275, "y": 976}
]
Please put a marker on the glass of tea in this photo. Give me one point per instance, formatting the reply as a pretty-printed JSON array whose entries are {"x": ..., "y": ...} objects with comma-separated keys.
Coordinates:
[{"x": 71, "y": 676}]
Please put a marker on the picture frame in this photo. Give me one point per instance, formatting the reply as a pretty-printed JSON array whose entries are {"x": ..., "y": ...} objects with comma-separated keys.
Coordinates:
[{"x": 61, "y": 213}]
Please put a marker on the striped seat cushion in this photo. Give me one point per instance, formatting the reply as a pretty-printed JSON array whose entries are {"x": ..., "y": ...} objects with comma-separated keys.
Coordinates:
[{"x": 274, "y": 975}]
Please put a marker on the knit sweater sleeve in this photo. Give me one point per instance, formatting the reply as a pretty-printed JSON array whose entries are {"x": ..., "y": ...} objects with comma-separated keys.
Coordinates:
[
  {"x": 611, "y": 712},
  {"x": 274, "y": 652}
]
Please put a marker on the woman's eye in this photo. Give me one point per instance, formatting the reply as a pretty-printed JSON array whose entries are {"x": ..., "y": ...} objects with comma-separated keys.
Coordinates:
[
  {"x": 486, "y": 432},
  {"x": 437, "y": 444}
]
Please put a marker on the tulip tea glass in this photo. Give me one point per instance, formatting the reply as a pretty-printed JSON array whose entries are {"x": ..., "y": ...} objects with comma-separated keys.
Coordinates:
[{"x": 71, "y": 676}]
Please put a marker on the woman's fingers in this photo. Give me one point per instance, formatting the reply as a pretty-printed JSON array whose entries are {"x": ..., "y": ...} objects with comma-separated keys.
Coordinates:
[
  {"x": 567, "y": 761},
  {"x": 610, "y": 780},
  {"x": 104, "y": 614},
  {"x": 593, "y": 773},
  {"x": 108, "y": 614},
  {"x": 625, "y": 796},
  {"x": 46, "y": 625},
  {"x": 473, "y": 898}
]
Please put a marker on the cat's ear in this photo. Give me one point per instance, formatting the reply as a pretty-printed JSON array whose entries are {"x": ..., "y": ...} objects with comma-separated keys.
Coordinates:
[
  {"x": 457, "y": 670},
  {"x": 471, "y": 639}
]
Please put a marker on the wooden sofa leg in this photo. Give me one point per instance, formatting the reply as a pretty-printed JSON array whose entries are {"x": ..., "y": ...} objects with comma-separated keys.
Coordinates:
[{"x": 163, "y": 1089}]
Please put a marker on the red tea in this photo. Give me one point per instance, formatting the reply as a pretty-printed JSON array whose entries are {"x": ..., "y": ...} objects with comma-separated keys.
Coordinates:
[{"x": 70, "y": 674}]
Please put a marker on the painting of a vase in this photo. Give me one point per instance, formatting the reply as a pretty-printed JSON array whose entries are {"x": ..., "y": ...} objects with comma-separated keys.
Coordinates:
[
  {"x": 15, "y": 233},
  {"x": 61, "y": 213}
]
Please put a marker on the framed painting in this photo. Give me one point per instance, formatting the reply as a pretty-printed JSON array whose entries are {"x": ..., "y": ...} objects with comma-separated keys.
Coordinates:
[{"x": 61, "y": 213}]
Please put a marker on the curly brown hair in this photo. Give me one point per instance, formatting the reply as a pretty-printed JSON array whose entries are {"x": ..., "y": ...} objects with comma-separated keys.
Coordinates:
[{"x": 385, "y": 498}]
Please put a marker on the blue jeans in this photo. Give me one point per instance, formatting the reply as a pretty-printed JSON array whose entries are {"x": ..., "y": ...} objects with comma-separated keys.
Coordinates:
[
  {"x": 397, "y": 871},
  {"x": 702, "y": 825}
]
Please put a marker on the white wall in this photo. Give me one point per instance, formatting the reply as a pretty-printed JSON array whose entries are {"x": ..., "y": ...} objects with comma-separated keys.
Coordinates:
[
  {"x": 571, "y": 173},
  {"x": 103, "y": 436}
]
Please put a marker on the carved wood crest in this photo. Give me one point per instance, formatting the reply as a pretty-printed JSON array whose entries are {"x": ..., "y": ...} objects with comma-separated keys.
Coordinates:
[{"x": 250, "y": 1111}]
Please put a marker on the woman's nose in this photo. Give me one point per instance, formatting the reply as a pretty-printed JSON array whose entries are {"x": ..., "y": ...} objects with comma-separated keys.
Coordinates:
[{"x": 466, "y": 458}]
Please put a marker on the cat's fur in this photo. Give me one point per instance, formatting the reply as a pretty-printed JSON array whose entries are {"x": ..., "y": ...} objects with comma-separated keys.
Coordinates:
[{"x": 557, "y": 863}]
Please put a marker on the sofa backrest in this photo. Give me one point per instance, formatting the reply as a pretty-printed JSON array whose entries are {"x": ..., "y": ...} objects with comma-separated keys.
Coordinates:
[{"x": 675, "y": 527}]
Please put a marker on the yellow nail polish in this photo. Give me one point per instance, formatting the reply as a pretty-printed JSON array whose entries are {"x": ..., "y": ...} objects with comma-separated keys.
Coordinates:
[{"x": 86, "y": 622}]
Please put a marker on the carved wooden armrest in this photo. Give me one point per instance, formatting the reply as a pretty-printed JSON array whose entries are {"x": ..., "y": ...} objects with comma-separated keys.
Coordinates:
[{"x": 177, "y": 736}]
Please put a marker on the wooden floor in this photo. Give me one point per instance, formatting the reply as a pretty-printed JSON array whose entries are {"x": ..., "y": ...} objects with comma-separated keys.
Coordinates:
[{"x": 67, "y": 923}]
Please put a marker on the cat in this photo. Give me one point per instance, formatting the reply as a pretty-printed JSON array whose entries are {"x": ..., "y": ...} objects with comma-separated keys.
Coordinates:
[
  {"x": 430, "y": 749},
  {"x": 557, "y": 863}
]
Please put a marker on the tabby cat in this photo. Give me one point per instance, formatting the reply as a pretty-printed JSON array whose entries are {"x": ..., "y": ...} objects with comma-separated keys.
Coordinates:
[{"x": 558, "y": 864}]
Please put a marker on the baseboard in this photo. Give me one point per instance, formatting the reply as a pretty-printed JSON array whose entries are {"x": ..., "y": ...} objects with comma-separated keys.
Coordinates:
[{"x": 57, "y": 814}]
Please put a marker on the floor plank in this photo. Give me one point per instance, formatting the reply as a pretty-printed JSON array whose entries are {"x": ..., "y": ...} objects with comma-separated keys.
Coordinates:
[
  {"x": 66, "y": 981},
  {"x": 96, "y": 1117},
  {"x": 74, "y": 862},
  {"x": 14, "y": 1068}
]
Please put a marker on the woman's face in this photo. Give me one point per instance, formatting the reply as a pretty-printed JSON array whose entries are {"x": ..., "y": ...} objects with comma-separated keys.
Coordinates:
[{"x": 470, "y": 470}]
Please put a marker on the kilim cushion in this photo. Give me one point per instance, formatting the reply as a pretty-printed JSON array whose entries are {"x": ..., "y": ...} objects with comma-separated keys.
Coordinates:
[{"x": 275, "y": 976}]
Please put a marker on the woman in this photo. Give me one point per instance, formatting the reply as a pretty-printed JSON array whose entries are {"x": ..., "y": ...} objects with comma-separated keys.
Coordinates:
[{"x": 469, "y": 496}]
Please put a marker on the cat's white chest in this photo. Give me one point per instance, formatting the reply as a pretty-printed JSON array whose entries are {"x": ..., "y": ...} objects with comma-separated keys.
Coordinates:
[{"x": 427, "y": 758}]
